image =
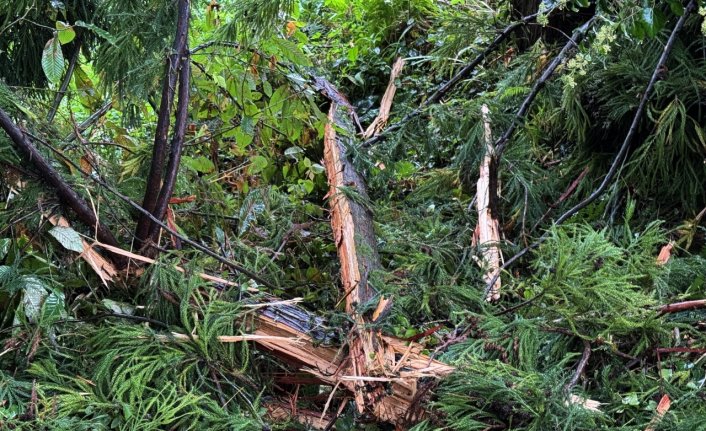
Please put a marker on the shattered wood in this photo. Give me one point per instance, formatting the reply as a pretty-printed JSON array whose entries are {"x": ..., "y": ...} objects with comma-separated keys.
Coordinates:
[
  {"x": 386, "y": 103},
  {"x": 487, "y": 233},
  {"x": 332, "y": 366},
  {"x": 353, "y": 234},
  {"x": 305, "y": 341}
]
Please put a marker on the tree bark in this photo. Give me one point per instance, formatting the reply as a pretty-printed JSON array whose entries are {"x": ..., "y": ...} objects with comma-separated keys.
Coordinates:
[
  {"x": 154, "y": 178},
  {"x": 371, "y": 358},
  {"x": 63, "y": 190},
  {"x": 182, "y": 114}
]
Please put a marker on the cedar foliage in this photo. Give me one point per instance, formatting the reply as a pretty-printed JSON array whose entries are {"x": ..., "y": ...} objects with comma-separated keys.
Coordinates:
[{"x": 76, "y": 354}]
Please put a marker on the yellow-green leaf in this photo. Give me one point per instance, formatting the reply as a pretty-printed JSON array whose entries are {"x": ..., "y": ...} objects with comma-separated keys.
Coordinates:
[{"x": 66, "y": 32}]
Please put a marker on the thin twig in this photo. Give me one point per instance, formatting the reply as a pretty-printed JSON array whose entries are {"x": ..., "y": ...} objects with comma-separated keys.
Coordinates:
[
  {"x": 90, "y": 120},
  {"x": 580, "y": 367}
]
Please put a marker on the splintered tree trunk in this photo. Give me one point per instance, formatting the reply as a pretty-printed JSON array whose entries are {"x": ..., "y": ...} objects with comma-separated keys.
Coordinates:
[
  {"x": 488, "y": 230},
  {"x": 352, "y": 226}
]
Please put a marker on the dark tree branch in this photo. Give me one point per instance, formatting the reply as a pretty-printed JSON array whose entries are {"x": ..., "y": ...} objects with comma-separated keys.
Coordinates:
[
  {"x": 90, "y": 120},
  {"x": 182, "y": 115},
  {"x": 154, "y": 178},
  {"x": 619, "y": 157},
  {"x": 578, "y": 35},
  {"x": 64, "y": 191},
  {"x": 212, "y": 43},
  {"x": 233, "y": 265},
  {"x": 65, "y": 83},
  {"x": 580, "y": 367},
  {"x": 448, "y": 86},
  {"x": 682, "y": 306}
]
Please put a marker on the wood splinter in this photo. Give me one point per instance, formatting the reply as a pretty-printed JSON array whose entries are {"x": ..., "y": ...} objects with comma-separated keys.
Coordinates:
[{"x": 487, "y": 233}]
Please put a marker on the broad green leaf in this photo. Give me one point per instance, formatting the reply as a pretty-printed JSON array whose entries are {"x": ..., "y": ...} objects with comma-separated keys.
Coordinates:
[
  {"x": 66, "y": 32},
  {"x": 53, "y": 60},
  {"x": 293, "y": 152},
  {"x": 54, "y": 307},
  {"x": 118, "y": 307},
  {"x": 308, "y": 185},
  {"x": 352, "y": 54},
  {"x": 199, "y": 164},
  {"x": 33, "y": 297},
  {"x": 68, "y": 238},
  {"x": 317, "y": 168},
  {"x": 257, "y": 164}
]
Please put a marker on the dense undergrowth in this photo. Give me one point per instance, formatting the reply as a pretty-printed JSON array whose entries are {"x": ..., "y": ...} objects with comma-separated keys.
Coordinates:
[{"x": 143, "y": 353}]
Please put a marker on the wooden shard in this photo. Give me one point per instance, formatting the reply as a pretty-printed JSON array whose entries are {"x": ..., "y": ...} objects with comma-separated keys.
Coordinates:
[
  {"x": 103, "y": 267},
  {"x": 386, "y": 103},
  {"x": 487, "y": 230}
]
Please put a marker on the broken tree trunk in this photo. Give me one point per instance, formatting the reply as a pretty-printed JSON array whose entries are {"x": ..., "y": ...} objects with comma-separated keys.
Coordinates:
[
  {"x": 295, "y": 336},
  {"x": 487, "y": 232},
  {"x": 309, "y": 344},
  {"x": 351, "y": 221}
]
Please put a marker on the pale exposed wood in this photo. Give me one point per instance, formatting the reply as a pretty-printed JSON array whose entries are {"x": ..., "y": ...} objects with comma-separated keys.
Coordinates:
[
  {"x": 488, "y": 230},
  {"x": 103, "y": 268},
  {"x": 145, "y": 259},
  {"x": 660, "y": 411},
  {"x": 352, "y": 227},
  {"x": 331, "y": 366},
  {"x": 386, "y": 103},
  {"x": 665, "y": 253}
]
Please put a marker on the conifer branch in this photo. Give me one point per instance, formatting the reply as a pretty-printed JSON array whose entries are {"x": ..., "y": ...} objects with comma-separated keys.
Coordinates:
[
  {"x": 451, "y": 84},
  {"x": 576, "y": 38},
  {"x": 618, "y": 159}
]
